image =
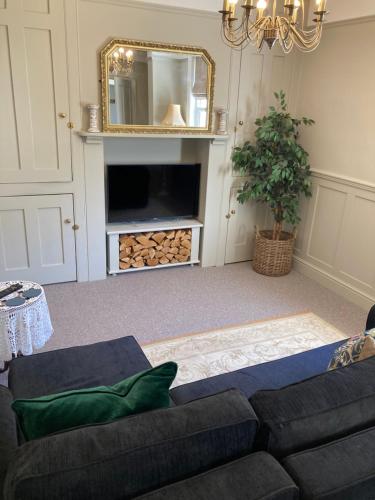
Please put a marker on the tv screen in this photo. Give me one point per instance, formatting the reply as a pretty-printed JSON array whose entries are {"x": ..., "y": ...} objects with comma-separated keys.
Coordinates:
[{"x": 152, "y": 192}]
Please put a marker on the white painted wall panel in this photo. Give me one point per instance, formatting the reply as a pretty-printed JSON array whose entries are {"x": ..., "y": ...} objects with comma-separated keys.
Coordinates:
[
  {"x": 337, "y": 239},
  {"x": 9, "y": 157},
  {"x": 42, "y": 97},
  {"x": 326, "y": 224},
  {"x": 356, "y": 248},
  {"x": 41, "y": 6},
  {"x": 13, "y": 239},
  {"x": 51, "y": 236}
]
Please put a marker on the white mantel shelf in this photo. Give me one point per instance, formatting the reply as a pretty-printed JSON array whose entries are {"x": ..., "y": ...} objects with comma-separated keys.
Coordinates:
[
  {"x": 96, "y": 137},
  {"x": 140, "y": 227}
]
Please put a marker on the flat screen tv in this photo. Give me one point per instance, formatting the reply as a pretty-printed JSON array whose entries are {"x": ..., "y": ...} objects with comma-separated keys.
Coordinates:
[{"x": 152, "y": 192}]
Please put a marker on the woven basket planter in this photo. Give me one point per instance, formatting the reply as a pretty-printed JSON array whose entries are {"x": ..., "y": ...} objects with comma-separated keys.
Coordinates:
[{"x": 273, "y": 257}]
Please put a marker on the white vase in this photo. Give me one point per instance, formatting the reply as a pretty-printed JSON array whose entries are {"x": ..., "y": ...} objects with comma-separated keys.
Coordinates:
[
  {"x": 93, "y": 118},
  {"x": 222, "y": 121}
]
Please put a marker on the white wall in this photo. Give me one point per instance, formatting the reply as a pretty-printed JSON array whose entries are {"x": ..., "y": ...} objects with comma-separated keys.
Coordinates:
[
  {"x": 337, "y": 90},
  {"x": 343, "y": 10},
  {"x": 337, "y": 84}
]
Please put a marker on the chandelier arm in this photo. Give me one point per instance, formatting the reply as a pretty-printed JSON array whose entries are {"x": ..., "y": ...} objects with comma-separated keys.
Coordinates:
[
  {"x": 304, "y": 31},
  {"x": 234, "y": 42},
  {"x": 306, "y": 43},
  {"x": 235, "y": 37},
  {"x": 284, "y": 28},
  {"x": 289, "y": 30}
]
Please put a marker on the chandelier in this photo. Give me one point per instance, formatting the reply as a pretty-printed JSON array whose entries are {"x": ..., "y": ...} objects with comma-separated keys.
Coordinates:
[
  {"x": 262, "y": 22},
  {"x": 121, "y": 61}
]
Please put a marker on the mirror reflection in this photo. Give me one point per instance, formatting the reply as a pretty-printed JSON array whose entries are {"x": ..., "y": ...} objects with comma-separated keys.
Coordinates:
[{"x": 157, "y": 88}]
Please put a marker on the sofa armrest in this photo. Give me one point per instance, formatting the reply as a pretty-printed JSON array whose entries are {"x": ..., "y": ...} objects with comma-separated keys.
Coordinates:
[
  {"x": 134, "y": 455},
  {"x": 8, "y": 433}
]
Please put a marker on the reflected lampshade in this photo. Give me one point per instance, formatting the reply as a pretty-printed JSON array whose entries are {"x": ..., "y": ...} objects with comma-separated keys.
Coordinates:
[{"x": 173, "y": 117}]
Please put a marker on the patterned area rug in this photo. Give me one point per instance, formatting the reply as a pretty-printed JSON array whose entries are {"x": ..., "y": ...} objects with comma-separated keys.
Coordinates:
[{"x": 211, "y": 353}]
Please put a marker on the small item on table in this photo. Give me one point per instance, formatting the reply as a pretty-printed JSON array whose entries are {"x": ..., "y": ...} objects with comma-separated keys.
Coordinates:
[
  {"x": 15, "y": 301},
  {"x": 31, "y": 293},
  {"x": 10, "y": 289}
]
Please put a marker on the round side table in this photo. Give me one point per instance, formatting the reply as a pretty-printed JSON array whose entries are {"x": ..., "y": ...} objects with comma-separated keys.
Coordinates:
[{"x": 23, "y": 327}]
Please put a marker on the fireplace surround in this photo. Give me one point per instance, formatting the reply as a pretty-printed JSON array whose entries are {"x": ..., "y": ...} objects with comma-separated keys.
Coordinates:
[{"x": 105, "y": 148}]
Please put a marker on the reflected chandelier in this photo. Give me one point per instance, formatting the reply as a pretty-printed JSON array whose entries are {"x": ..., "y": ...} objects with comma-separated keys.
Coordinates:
[
  {"x": 121, "y": 61},
  {"x": 261, "y": 22}
]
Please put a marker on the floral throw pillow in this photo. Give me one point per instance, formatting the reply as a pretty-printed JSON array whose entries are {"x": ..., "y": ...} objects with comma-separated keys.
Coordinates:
[{"x": 355, "y": 349}]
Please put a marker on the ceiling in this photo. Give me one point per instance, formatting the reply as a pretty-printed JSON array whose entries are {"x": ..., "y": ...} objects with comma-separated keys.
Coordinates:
[
  {"x": 340, "y": 10},
  {"x": 209, "y": 5}
]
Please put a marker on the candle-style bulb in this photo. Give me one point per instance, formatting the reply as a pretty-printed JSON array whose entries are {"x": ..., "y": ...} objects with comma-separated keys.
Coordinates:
[
  {"x": 321, "y": 5},
  {"x": 296, "y": 6},
  {"x": 232, "y": 7},
  {"x": 226, "y": 6}
]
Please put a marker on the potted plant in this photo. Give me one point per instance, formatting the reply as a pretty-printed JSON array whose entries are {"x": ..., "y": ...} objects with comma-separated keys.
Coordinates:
[{"x": 279, "y": 173}]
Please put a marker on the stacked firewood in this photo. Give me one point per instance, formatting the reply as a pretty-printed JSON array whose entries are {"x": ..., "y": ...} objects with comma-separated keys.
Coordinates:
[{"x": 154, "y": 248}]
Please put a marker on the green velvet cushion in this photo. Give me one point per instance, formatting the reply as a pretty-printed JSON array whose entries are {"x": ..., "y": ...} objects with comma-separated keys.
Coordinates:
[{"x": 144, "y": 391}]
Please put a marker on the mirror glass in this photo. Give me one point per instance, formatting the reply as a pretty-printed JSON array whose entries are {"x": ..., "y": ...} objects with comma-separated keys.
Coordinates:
[{"x": 156, "y": 88}]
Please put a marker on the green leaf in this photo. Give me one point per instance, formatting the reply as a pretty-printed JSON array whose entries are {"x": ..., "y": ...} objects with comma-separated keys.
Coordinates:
[{"x": 275, "y": 162}]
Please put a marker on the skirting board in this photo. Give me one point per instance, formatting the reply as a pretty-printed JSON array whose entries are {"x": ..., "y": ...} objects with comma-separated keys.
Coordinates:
[{"x": 341, "y": 288}]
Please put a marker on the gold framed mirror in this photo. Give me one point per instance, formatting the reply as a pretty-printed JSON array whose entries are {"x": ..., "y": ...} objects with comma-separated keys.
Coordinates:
[{"x": 156, "y": 88}]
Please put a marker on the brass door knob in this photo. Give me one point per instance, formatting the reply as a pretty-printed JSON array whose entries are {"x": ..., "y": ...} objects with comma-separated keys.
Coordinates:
[
  {"x": 240, "y": 123},
  {"x": 62, "y": 115},
  {"x": 227, "y": 216},
  {"x": 233, "y": 212},
  {"x": 67, "y": 221},
  {"x": 75, "y": 227}
]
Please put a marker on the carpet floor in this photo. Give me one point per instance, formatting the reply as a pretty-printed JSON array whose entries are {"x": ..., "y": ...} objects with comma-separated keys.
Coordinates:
[{"x": 158, "y": 304}]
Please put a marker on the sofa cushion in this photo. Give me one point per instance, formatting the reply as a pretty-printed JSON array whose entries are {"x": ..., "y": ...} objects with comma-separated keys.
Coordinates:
[
  {"x": 317, "y": 410},
  {"x": 8, "y": 433},
  {"x": 355, "y": 349},
  {"x": 134, "y": 455},
  {"x": 104, "y": 363},
  {"x": 255, "y": 477},
  {"x": 144, "y": 391},
  {"x": 271, "y": 375},
  {"x": 343, "y": 469}
]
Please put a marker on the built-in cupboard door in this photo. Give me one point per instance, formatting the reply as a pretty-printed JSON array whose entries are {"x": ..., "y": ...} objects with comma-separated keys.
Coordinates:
[
  {"x": 261, "y": 74},
  {"x": 240, "y": 235},
  {"x": 34, "y": 117},
  {"x": 37, "y": 240}
]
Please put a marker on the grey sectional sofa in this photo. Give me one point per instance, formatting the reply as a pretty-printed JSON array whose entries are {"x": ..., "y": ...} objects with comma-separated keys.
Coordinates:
[{"x": 278, "y": 431}]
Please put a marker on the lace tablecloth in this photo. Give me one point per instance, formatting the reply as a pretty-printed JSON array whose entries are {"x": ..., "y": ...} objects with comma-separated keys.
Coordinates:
[{"x": 25, "y": 327}]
